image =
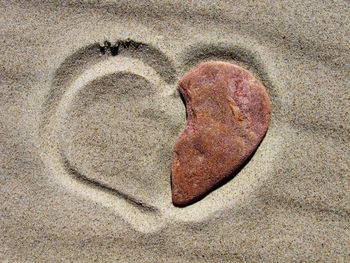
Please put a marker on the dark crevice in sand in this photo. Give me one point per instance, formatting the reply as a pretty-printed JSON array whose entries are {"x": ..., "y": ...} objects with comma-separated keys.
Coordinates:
[
  {"x": 114, "y": 49},
  {"x": 102, "y": 50},
  {"x": 145, "y": 52},
  {"x": 105, "y": 188}
]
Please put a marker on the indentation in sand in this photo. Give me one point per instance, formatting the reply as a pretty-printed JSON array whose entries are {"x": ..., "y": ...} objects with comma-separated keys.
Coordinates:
[{"x": 111, "y": 119}]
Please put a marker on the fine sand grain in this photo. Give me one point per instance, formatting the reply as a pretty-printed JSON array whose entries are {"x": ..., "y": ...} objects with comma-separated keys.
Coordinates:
[{"x": 90, "y": 112}]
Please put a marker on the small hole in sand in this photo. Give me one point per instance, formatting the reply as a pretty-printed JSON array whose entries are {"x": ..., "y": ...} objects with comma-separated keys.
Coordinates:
[
  {"x": 114, "y": 50},
  {"x": 102, "y": 50}
]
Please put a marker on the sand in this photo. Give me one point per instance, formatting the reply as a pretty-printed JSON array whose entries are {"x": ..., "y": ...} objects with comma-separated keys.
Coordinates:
[{"x": 87, "y": 129}]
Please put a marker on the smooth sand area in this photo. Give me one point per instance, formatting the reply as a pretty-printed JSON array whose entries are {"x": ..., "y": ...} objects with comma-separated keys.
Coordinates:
[{"x": 89, "y": 114}]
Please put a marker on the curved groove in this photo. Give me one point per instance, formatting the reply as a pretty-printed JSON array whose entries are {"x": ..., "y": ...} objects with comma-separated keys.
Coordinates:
[
  {"x": 71, "y": 67},
  {"x": 84, "y": 58},
  {"x": 227, "y": 52},
  {"x": 103, "y": 187},
  {"x": 77, "y": 93},
  {"x": 144, "y": 52},
  {"x": 68, "y": 72}
]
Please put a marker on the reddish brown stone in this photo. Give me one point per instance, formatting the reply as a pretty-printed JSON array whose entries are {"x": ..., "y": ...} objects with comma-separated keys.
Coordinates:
[{"x": 228, "y": 113}]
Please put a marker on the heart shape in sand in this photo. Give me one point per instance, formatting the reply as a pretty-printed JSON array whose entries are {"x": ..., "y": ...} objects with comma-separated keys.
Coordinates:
[
  {"x": 228, "y": 113},
  {"x": 103, "y": 147}
]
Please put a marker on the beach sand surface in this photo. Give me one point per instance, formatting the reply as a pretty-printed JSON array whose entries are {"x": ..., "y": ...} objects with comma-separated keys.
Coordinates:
[{"x": 90, "y": 112}]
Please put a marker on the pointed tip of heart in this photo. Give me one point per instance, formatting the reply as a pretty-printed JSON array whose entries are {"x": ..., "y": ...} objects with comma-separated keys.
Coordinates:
[
  {"x": 182, "y": 198},
  {"x": 178, "y": 202}
]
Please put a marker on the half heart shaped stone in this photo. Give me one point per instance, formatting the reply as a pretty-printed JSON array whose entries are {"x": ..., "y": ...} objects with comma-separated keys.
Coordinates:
[{"x": 228, "y": 113}]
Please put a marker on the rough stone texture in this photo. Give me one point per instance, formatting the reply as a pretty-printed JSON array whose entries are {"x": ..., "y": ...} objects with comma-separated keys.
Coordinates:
[{"x": 228, "y": 113}]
